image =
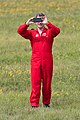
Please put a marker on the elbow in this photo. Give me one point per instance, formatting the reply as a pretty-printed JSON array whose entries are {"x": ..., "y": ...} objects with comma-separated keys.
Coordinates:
[
  {"x": 18, "y": 31},
  {"x": 22, "y": 29},
  {"x": 58, "y": 30}
]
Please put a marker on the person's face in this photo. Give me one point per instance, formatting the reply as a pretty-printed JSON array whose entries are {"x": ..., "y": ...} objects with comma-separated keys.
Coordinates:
[{"x": 40, "y": 24}]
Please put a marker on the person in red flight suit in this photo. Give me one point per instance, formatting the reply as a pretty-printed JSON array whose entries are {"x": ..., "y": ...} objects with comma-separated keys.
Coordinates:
[{"x": 41, "y": 40}]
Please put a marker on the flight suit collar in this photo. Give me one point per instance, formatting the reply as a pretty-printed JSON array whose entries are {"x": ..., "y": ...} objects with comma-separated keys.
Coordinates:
[{"x": 44, "y": 30}]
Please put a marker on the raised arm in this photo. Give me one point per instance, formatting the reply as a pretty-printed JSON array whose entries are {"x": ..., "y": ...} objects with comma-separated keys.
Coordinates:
[
  {"x": 54, "y": 30},
  {"x": 23, "y": 30}
]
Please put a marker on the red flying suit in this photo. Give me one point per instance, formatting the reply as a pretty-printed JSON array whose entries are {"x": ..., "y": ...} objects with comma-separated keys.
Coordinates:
[{"x": 41, "y": 60}]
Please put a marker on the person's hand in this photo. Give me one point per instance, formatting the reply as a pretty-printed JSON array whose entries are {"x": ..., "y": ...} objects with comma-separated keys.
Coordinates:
[
  {"x": 29, "y": 22},
  {"x": 45, "y": 20}
]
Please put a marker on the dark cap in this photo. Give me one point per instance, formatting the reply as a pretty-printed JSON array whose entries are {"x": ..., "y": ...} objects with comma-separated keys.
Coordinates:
[{"x": 40, "y": 14}]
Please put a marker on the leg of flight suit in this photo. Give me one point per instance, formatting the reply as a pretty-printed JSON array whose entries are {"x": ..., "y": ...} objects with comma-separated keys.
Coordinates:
[
  {"x": 36, "y": 84},
  {"x": 47, "y": 70}
]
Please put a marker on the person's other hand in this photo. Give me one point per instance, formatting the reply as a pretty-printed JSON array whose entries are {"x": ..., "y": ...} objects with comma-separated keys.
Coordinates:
[{"x": 45, "y": 20}]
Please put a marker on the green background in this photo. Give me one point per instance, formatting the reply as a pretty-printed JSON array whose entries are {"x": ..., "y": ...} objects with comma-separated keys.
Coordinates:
[{"x": 15, "y": 53}]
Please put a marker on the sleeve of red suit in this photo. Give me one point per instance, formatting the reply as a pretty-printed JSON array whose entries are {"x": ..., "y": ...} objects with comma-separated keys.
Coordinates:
[
  {"x": 24, "y": 32},
  {"x": 54, "y": 30}
]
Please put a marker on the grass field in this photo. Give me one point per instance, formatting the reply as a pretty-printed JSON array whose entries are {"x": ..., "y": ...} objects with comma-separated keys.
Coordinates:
[{"x": 15, "y": 54}]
